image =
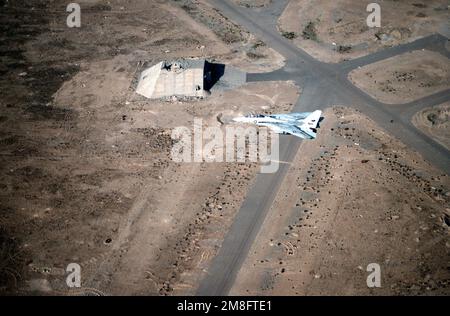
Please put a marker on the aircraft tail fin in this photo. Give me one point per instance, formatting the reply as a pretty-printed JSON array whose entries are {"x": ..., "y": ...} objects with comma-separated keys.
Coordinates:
[{"x": 310, "y": 123}]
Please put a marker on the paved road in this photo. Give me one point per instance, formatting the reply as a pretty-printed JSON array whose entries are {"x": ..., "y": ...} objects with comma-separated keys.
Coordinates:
[{"x": 323, "y": 85}]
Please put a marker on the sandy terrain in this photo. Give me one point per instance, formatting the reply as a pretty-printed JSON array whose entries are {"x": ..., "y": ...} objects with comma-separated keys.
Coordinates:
[
  {"x": 247, "y": 52},
  {"x": 435, "y": 121},
  {"x": 318, "y": 24},
  {"x": 86, "y": 175},
  {"x": 253, "y": 3},
  {"x": 404, "y": 78},
  {"x": 354, "y": 196}
]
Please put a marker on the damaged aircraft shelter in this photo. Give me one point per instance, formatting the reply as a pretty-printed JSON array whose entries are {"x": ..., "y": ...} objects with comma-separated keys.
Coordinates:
[{"x": 187, "y": 78}]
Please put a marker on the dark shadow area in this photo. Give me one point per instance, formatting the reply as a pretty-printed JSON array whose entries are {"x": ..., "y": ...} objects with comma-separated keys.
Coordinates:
[
  {"x": 12, "y": 261},
  {"x": 320, "y": 121},
  {"x": 212, "y": 74}
]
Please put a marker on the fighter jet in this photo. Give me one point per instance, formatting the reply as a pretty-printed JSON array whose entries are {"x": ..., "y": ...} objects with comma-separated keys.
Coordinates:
[{"x": 303, "y": 125}]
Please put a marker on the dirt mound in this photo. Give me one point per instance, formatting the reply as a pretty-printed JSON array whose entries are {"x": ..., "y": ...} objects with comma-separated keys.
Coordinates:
[{"x": 435, "y": 121}]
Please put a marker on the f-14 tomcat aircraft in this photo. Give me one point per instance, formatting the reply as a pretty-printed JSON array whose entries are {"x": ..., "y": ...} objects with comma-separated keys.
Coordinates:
[{"x": 303, "y": 125}]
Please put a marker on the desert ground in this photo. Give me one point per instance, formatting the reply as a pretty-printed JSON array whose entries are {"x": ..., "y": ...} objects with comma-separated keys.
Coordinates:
[
  {"x": 333, "y": 31},
  {"x": 355, "y": 197},
  {"x": 252, "y": 3},
  {"x": 83, "y": 156},
  {"x": 435, "y": 121},
  {"x": 404, "y": 78},
  {"x": 87, "y": 176}
]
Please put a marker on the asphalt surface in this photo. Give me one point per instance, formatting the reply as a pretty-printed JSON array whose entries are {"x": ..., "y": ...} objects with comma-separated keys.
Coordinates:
[{"x": 322, "y": 85}]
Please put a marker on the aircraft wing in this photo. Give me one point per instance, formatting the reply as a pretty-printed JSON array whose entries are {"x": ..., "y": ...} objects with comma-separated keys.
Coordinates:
[
  {"x": 282, "y": 128},
  {"x": 276, "y": 127},
  {"x": 299, "y": 132},
  {"x": 290, "y": 116}
]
